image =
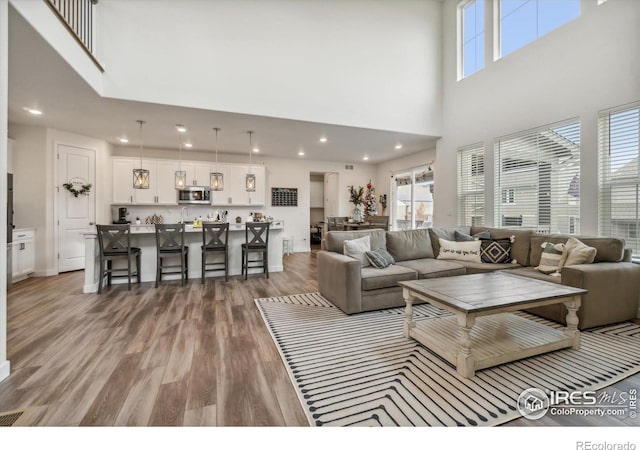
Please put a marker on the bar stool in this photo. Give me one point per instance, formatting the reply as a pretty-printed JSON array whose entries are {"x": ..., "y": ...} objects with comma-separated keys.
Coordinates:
[
  {"x": 215, "y": 239},
  {"x": 170, "y": 243},
  {"x": 256, "y": 241},
  {"x": 115, "y": 243}
]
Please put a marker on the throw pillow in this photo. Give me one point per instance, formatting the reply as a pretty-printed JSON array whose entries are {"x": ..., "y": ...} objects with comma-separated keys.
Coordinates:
[
  {"x": 551, "y": 258},
  {"x": 357, "y": 248},
  {"x": 461, "y": 251},
  {"x": 578, "y": 253},
  {"x": 463, "y": 237},
  {"x": 495, "y": 251},
  {"x": 380, "y": 258}
]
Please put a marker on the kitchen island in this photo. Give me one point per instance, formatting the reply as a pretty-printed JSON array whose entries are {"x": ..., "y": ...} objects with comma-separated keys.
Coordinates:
[{"x": 143, "y": 237}]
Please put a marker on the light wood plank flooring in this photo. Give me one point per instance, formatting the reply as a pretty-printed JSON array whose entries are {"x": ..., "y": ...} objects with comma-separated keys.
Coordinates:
[{"x": 193, "y": 355}]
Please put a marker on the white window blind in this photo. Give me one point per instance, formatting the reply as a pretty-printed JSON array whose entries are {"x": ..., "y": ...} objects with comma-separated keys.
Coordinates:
[
  {"x": 471, "y": 185},
  {"x": 538, "y": 179},
  {"x": 619, "y": 143}
]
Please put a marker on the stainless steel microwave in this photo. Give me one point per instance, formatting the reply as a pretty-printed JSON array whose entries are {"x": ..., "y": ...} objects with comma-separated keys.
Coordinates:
[{"x": 199, "y": 195}]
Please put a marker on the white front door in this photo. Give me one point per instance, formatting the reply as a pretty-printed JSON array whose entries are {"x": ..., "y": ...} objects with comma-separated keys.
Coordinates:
[{"x": 76, "y": 214}]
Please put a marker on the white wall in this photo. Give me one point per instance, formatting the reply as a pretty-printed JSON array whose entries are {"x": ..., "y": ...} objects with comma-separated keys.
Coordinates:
[
  {"x": 373, "y": 64},
  {"x": 42, "y": 19},
  {"x": 280, "y": 172},
  {"x": 35, "y": 185},
  {"x": 583, "y": 67}
]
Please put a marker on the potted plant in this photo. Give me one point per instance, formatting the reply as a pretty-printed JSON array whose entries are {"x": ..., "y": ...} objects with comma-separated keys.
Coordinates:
[{"x": 356, "y": 196}]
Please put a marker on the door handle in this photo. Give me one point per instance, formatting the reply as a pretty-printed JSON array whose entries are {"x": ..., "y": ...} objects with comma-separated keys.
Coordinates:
[{"x": 92, "y": 223}]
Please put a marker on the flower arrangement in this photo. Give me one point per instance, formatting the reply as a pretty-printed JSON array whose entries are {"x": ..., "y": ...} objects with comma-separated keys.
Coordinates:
[{"x": 356, "y": 195}]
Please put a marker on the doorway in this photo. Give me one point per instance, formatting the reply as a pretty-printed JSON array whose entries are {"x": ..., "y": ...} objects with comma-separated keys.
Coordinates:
[{"x": 75, "y": 204}]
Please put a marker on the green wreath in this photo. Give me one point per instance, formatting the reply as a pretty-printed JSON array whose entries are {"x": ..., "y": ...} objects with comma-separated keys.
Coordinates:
[{"x": 84, "y": 189}]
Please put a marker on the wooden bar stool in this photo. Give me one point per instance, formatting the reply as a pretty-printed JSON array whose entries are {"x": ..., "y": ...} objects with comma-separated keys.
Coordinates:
[
  {"x": 215, "y": 239},
  {"x": 115, "y": 243},
  {"x": 170, "y": 243},
  {"x": 256, "y": 241}
]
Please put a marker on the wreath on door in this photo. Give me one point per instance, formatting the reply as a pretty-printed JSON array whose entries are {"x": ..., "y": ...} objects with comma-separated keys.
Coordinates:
[{"x": 77, "y": 186}]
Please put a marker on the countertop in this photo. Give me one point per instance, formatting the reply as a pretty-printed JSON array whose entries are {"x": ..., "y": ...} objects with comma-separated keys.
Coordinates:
[{"x": 276, "y": 225}]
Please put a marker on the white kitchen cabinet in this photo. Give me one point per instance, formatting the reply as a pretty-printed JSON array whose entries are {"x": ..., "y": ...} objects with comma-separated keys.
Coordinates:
[
  {"x": 122, "y": 181},
  {"x": 23, "y": 254},
  {"x": 161, "y": 184},
  {"x": 197, "y": 173},
  {"x": 235, "y": 192}
]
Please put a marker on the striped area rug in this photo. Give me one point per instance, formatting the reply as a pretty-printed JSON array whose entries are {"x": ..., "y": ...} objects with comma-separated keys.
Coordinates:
[{"x": 360, "y": 370}]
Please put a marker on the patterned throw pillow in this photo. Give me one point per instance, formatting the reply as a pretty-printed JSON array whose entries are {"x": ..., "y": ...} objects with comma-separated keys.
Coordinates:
[
  {"x": 380, "y": 258},
  {"x": 462, "y": 251},
  {"x": 496, "y": 251},
  {"x": 551, "y": 258}
]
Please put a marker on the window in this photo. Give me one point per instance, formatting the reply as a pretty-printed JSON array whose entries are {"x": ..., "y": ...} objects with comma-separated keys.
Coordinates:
[
  {"x": 524, "y": 21},
  {"x": 413, "y": 199},
  {"x": 538, "y": 178},
  {"x": 619, "y": 145},
  {"x": 471, "y": 19},
  {"x": 471, "y": 185}
]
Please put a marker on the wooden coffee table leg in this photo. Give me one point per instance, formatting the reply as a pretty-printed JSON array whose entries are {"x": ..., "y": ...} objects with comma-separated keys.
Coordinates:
[
  {"x": 466, "y": 363},
  {"x": 572, "y": 321},
  {"x": 408, "y": 313}
]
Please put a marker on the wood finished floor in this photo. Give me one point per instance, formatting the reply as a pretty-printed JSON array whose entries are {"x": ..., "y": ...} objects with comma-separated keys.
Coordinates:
[{"x": 192, "y": 355}]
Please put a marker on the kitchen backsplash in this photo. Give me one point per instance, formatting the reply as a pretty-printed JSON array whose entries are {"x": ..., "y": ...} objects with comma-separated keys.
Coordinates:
[{"x": 171, "y": 214}]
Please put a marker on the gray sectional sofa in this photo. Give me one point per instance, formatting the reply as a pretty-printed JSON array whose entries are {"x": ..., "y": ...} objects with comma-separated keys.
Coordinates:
[{"x": 612, "y": 281}]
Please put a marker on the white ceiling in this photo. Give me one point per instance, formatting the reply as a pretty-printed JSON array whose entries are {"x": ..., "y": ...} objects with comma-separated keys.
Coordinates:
[{"x": 40, "y": 78}]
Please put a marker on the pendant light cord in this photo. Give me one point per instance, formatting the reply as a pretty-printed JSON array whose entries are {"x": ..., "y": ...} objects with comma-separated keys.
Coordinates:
[
  {"x": 180, "y": 164},
  {"x": 250, "y": 149},
  {"x": 140, "y": 122},
  {"x": 216, "y": 130}
]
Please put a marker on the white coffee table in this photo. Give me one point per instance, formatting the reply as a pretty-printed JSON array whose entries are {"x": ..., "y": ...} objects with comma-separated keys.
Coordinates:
[{"x": 483, "y": 331}]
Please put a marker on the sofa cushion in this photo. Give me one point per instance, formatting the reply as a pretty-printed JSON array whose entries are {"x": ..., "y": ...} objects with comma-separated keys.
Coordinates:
[
  {"x": 462, "y": 237},
  {"x": 448, "y": 234},
  {"x": 475, "y": 267},
  {"x": 607, "y": 249},
  {"x": 409, "y": 244},
  {"x": 380, "y": 258},
  {"x": 357, "y": 248},
  {"x": 578, "y": 253},
  {"x": 434, "y": 268},
  {"x": 460, "y": 251},
  {"x": 531, "y": 272},
  {"x": 373, "y": 278},
  {"x": 335, "y": 239},
  {"x": 519, "y": 246}
]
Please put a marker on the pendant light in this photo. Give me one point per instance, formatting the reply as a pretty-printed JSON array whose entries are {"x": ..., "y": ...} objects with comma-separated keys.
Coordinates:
[
  {"x": 181, "y": 175},
  {"x": 217, "y": 178},
  {"x": 140, "y": 176},
  {"x": 250, "y": 178}
]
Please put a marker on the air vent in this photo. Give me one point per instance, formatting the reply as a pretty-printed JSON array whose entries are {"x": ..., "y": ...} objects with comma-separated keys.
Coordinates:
[
  {"x": 348, "y": 167},
  {"x": 6, "y": 420}
]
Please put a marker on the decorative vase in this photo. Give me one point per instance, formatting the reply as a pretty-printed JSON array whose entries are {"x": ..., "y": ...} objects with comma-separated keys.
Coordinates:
[{"x": 356, "y": 215}]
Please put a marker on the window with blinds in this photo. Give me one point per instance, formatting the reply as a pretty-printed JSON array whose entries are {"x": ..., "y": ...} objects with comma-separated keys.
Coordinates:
[
  {"x": 537, "y": 181},
  {"x": 619, "y": 143},
  {"x": 471, "y": 185}
]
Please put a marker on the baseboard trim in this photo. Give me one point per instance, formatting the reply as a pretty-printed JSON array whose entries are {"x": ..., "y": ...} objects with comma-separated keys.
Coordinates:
[
  {"x": 90, "y": 288},
  {"x": 4, "y": 369},
  {"x": 45, "y": 273}
]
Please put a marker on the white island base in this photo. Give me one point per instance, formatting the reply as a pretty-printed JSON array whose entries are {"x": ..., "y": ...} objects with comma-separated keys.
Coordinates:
[{"x": 144, "y": 238}]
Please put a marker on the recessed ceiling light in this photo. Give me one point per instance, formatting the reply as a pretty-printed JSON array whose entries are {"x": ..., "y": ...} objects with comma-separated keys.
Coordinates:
[
  {"x": 256, "y": 150},
  {"x": 35, "y": 112},
  {"x": 181, "y": 129},
  {"x": 300, "y": 153},
  {"x": 323, "y": 139},
  {"x": 366, "y": 158},
  {"x": 188, "y": 145},
  {"x": 124, "y": 140},
  {"x": 398, "y": 146}
]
